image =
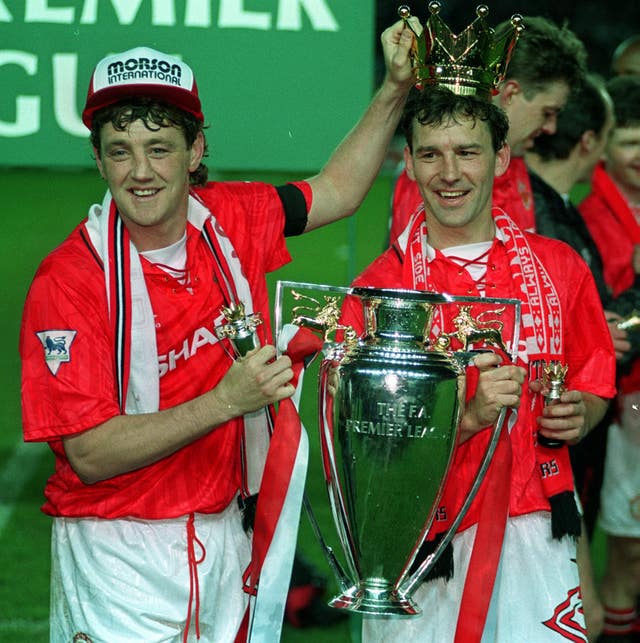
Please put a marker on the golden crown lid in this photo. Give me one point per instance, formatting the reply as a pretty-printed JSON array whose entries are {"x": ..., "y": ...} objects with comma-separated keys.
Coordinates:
[{"x": 473, "y": 62}]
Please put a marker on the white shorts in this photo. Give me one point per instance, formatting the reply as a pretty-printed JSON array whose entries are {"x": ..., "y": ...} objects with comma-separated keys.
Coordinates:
[
  {"x": 620, "y": 496},
  {"x": 536, "y": 596},
  {"x": 127, "y": 581}
]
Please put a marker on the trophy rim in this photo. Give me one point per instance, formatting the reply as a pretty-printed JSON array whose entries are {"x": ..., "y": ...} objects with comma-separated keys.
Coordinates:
[{"x": 422, "y": 296}]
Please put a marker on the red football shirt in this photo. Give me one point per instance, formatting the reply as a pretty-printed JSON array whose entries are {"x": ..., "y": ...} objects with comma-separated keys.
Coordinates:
[
  {"x": 65, "y": 319},
  {"x": 613, "y": 227},
  {"x": 615, "y": 230},
  {"x": 588, "y": 352}
]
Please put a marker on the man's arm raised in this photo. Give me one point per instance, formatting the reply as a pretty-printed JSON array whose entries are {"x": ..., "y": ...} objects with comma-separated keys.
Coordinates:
[{"x": 342, "y": 184}]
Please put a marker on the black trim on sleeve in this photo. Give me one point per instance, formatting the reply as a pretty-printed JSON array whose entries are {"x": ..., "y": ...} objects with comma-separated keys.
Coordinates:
[{"x": 295, "y": 209}]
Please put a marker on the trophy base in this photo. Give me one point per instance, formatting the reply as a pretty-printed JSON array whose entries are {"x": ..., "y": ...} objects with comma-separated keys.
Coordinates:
[{"x": 375, "y": 601}]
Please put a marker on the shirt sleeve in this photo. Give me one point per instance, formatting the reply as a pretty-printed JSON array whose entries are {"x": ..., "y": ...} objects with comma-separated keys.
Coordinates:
[
  {"x": 588, "y": 346},
  {"x": 68, "y": 383}
]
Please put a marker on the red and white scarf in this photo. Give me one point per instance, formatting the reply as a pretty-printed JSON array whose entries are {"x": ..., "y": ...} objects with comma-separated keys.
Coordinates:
[
  {"x": 541, "y": 314},
  {"x": 278, "y": 508}
]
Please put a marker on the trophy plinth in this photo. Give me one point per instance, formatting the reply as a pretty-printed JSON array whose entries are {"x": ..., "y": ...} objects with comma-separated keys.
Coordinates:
[{"x": 375, "y": 596}]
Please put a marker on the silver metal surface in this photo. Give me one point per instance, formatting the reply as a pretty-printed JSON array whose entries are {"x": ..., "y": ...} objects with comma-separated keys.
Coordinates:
[{"x": 390, "y": 405}]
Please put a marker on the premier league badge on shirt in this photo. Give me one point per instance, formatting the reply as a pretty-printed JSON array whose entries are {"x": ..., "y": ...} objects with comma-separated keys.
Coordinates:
[{"x": 57, "y": 347}]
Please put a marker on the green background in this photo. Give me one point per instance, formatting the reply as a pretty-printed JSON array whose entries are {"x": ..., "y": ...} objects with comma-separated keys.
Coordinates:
[
  {"x": 39, "y": 209},
  {"x": 277, "y": 97}
]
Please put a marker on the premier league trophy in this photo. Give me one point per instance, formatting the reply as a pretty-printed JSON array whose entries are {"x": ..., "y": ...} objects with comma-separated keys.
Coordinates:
[
  {"x": 239, "y": 329},
  {"x": 390, "y": 402},
  {"x": 549, "y": 376}
]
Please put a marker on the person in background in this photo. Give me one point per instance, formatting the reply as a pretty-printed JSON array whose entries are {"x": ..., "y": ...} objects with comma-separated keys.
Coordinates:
[
  {"x": 611, "y": 212},
  {"x": 125, "y": 376},
  {"x": 557, "y": 163},
  {"x": 547, "y": 61},
  {"x": 626, "y": 57}
]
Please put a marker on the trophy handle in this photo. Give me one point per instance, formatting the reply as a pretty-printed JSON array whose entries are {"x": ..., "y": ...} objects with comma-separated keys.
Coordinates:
[
  {"x": 335, "y": 566},
  {"x": 340, "y": 575},
  {"x": 331, "y": 474},
  {"x": 409, "y": 585}
]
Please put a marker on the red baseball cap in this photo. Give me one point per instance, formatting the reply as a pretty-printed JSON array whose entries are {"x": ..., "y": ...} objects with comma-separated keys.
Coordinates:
[{"x": 142, "y": 72}]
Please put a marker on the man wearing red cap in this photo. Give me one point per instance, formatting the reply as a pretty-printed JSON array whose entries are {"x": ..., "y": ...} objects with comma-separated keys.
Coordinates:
[{"x": 152, "y": 422}]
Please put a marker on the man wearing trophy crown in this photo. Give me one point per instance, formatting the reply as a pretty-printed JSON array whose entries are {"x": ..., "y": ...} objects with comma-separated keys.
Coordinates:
[
  {"x": 532, "y": 90},
  {"x": 514, "y": 574},
  {"x": 154, "y": 426}
]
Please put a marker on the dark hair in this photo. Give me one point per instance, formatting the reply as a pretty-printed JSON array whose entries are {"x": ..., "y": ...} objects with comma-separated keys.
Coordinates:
[
  {"x": 438, "y": 105},
  {"x": 586, "y": 110},
  {"x": 545, "y": 53},
  {"x": 154, "y": 114},
  {"x": 625, "y": 94}
]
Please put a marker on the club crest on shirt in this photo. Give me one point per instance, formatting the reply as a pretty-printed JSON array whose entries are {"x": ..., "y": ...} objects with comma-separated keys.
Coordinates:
[{"x": 57, "y": 347}]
